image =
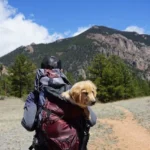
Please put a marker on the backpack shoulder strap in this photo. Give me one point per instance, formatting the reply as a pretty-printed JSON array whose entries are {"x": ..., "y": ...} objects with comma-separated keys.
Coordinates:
[{"x": 39, "y": 74}]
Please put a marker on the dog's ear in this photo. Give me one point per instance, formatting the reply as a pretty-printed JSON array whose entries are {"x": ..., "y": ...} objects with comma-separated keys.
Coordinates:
[
  {"x": 95, "y": 92},
  {"x": 94, "y": 89},
  {"x": 76, "y": 94}
]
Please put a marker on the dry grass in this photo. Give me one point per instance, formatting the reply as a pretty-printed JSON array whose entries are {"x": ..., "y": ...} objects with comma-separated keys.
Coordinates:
[{"x": 104, "y": 135}]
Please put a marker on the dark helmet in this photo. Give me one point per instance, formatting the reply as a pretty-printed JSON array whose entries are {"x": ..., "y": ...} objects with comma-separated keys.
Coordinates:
[{"x": 51, "y": 62}]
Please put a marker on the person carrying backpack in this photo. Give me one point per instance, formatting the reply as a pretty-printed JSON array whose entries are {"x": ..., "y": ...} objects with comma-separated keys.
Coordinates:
[{"x": 58, "y": 124}]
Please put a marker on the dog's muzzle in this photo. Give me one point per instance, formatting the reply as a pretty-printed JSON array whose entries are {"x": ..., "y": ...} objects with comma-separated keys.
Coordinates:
[{"x": 93, "y": 102}]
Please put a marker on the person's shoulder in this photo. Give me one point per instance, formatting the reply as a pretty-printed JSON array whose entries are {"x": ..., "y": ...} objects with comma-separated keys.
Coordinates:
[{"x": 39, "y": 70}]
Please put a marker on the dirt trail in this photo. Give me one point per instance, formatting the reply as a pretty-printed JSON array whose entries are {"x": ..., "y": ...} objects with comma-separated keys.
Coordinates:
[
  {"x": 128, "y": 133},
  {"x": 116, "y": 128}
]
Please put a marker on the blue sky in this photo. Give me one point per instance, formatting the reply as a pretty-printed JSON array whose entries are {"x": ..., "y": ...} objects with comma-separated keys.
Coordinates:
[
  {"x": 49, "y": 20},
  {"x": 62, "y": 15}
]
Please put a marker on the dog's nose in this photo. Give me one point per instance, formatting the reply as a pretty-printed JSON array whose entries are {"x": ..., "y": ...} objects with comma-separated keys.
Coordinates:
[{"x": 92, "y": 103}]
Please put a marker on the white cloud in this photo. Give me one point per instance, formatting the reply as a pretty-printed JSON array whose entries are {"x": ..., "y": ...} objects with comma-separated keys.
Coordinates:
[
  {"x": 67, "y": 32},
  {"x": 135, "y": 29},
  {"x": 81, "y": 30},
  {"x": 16, "y": 30}
]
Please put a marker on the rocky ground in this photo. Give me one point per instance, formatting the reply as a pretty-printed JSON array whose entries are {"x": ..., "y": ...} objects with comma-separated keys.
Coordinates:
[{"x": 123, "y": 125}]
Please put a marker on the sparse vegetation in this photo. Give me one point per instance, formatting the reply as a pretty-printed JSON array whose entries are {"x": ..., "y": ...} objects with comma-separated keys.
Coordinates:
[
  {"x": 21, "y": 76},
  {"x": 115, "y": 80}
]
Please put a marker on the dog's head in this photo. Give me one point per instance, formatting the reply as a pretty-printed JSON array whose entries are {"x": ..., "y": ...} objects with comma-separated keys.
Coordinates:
[{"x": 84, "y": 93}]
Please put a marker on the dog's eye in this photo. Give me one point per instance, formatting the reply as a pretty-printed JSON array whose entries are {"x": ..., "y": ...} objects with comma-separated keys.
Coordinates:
[{"x": 86, "y": 93}]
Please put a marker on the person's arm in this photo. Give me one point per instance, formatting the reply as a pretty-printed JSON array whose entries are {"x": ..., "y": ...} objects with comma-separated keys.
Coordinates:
[
  {"x": 93, "y": 117},
  {"x": 30, "y": 110}
]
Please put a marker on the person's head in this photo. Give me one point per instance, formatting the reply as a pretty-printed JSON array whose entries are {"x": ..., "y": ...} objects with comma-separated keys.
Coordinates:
[{"x": 51, "y": 62}]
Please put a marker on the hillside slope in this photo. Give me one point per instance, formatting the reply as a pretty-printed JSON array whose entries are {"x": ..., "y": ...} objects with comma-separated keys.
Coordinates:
[{"x": 77, "y": 52}]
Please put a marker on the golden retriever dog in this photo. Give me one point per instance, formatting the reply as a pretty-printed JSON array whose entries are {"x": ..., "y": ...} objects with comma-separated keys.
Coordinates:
[{"x": 83, "y": 94}]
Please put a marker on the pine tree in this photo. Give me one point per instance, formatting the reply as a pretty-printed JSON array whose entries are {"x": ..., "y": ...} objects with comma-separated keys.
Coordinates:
[
  {"x": 4, "y": 85},
  {"x": 70, "y": 77},
  {"x": 95, "y": 71},
  {"x": 1, "y": 69},
  {"x": 22, "y": 75},
  {"x": 113, "y": 78}
]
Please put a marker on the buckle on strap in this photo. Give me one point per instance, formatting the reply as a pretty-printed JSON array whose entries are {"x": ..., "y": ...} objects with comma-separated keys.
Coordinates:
[
  {"x": 34, "y": 143},
  {"x": 31, "y": 147}
]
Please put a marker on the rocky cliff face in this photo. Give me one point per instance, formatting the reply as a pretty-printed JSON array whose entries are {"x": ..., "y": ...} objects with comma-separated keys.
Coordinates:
[
  {"x": 135, "y": 53},
  {"x": 4, "y": 70},
  {"x": 30, "y": 48}
]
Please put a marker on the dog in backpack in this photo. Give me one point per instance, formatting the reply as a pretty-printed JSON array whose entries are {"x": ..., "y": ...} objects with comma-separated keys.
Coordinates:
[{"x": 83, "y": 94}]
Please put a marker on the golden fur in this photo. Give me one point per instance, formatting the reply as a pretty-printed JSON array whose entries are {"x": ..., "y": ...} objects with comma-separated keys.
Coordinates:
[{"x": 83, "y": 94}]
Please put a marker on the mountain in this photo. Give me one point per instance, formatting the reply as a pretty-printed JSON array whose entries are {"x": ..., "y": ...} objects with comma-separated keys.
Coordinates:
[{"x": 77, "y": 52}]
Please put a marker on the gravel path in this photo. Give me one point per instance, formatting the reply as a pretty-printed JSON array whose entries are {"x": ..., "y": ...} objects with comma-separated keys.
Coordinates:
[
  {"x": 12, "y": 135},
  {"x": 123, "y": 125}
]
